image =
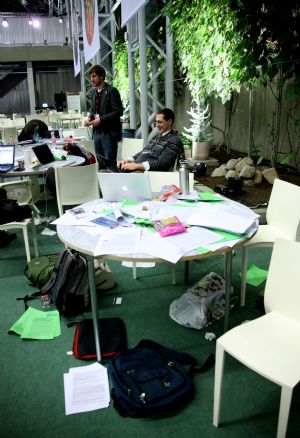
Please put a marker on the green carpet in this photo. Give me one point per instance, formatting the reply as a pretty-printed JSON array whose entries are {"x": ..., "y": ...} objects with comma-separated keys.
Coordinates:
[{"x": 32, "y": 394}]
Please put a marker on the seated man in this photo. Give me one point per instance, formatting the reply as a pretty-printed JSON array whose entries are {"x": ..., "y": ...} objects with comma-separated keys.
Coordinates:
[
  {"x": 162, "y": 151},
  {"x": 32, "y": 128}
]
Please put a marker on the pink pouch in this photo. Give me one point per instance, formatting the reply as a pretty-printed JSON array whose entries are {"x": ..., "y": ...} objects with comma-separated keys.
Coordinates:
[{"x": 169, "y": 226}]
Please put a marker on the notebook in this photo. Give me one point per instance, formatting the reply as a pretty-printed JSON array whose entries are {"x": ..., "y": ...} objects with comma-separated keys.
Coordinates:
[
  {"x": 119, "y": 186},
  {"x": 46, "y": 158},
  {"x": 7, "y": 158}
]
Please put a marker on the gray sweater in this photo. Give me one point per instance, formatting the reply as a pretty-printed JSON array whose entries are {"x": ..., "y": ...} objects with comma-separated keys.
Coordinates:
[{"x": 161, "y": 152}]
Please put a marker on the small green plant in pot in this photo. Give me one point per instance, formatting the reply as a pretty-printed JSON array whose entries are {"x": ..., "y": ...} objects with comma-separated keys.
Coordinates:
[{"x": 199, "y": 132}]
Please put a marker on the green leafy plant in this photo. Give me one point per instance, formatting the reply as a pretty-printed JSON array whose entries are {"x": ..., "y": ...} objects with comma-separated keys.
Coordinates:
[
  {"x": 121, "y": 79},
  {"x": 257, "y": 154}
]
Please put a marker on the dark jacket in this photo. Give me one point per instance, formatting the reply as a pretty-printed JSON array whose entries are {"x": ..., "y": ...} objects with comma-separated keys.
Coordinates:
[
  {"x": 161, "y": 152},
  {"x": 110, "y": 111}
]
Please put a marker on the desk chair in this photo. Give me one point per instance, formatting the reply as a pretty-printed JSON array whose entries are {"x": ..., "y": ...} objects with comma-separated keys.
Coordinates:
[
  {"x": 24, "y": 226},
  {"x": 21, "y": 191},
  {"x": 131, "y": 146},
  {"x": 269, "y": 345},
  {"x": 6, "y": 123},
  {"x": 9, "y": 135},
  {"x": 88, "y": 145},
  {"x": 25, "y": 191},
  {"x": 283, "y": 218},
  {"x": 76, "y": 185}
]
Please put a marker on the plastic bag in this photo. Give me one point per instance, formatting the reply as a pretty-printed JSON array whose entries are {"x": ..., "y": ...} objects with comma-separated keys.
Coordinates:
[{"x": 202, "y": 304}]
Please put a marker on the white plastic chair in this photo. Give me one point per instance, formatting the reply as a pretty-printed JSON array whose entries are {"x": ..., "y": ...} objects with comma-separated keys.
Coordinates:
[
  {"x": 269, "y": 345},
  {"x": 24, "y": 226},
  {"x": 158, "y": 179},
  {"x": 25, "y": 191},
  {"x": 76, "y": 185},
  {"x": 6, "y": 123},
  {"x": 21, "y": 191},
  {"x": 10, "y": 135},
  {"x": 283, "y": 218},
  {"x": 88, "y": 145},
  {"x": 131, "y": 146}
]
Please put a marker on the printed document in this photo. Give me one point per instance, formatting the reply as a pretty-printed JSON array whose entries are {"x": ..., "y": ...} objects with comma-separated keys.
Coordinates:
[{"x": 86, "y": 389}]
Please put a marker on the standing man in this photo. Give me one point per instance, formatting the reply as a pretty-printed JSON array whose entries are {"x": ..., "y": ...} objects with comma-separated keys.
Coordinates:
[
  {"x": 106, "y": 110},
  {"x": 162, "y": 151}
]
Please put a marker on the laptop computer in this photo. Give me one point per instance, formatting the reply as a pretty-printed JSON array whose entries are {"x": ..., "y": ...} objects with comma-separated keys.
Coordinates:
[
  {"x": 46, "y": 158},
  {"x": 56, "y": 133},
  {"x": 118, "y": 186},
  {"x": 7, "y": 158}
]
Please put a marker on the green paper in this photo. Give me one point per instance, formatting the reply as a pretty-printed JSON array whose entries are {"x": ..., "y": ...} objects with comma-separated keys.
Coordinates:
[
  {"x": 202, "y": 250},
  {"x": 37, "y": 324},
  {"x": 226, "y": 235},
  {"x": 103, "y": 211},
  {"x": 184, "y": 203},
  {"x": 208, "y": 196},
  {"x": 127, "y": 202},
  {"x": 255, "y": 275},
  {"x": 142, "y": 221}
]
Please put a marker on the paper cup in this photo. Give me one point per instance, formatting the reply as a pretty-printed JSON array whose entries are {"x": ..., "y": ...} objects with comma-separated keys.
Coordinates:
[{"x": 28, "y": 158}]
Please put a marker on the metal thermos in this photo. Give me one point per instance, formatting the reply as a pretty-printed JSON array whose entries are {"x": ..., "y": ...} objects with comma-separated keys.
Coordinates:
[{"x": 184, "y": 182}]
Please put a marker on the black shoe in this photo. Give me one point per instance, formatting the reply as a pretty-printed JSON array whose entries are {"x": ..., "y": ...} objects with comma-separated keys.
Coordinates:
[{"x": 6, "y": 237}]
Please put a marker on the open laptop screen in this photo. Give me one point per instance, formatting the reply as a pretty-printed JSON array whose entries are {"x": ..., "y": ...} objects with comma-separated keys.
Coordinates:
[
  {"x": 7, "y": 155},
  {"x": 43, "y": 153},
  {"x": 118, "y": 186}
]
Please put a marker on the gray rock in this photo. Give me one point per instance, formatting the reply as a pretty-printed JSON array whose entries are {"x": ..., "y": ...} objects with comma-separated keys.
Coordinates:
[
  {"x": 242, "y": 163},
  {"x": 258, "y": 177},
  {"x": 231, "y": 174},
  {"x": 219, "y": 171},
  {"x": 247, "y": 172},
  {"x": 270, "y": 174},
  {"x": 231, "y": 164}
]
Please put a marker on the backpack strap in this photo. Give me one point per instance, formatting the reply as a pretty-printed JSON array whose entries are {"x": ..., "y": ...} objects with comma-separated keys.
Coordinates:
[
  {"x": 29, "y": 298},
  {"x": 181, "y": 358}
]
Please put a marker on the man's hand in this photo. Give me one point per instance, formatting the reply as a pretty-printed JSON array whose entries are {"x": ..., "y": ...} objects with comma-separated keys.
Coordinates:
[
  {"x": 96, "y": 122},
  {"x": 132, "y": 167},
  {"x": 87, "y": 123},
  {"x": 120, "y": 164}
]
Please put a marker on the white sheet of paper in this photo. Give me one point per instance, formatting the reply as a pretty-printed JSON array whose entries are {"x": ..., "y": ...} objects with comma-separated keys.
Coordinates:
[
  {"x": 221, "y": 218},
  {"x": 138, "y": 264},
  {"x": 182, "y": 213},
  {"x": 48, "y": 232},
  {"x": 86, "y": 389},
  {"x": 70, "y": 219},
  {"x": 116, "y": 241}
]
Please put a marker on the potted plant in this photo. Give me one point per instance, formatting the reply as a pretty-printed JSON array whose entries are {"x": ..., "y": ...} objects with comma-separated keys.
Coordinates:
[{"x": 199, "y": 132}]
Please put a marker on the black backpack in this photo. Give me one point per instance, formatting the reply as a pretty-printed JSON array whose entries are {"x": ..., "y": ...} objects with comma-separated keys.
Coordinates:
[
  {"x": 150, "y": 379},
  {"x": 68, "y": 285}
]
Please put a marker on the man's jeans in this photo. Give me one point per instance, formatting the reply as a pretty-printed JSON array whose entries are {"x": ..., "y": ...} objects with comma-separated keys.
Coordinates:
[{"x": 105, "y": 146}]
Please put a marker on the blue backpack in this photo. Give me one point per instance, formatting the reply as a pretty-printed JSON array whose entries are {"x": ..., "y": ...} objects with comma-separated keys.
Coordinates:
[{"x": 150, "y": 379}]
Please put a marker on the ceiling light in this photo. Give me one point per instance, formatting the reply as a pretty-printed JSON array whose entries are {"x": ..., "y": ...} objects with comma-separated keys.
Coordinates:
[
  {"x": 36, "y": 23},
  {"x": 4, "y": 22},
  {"x": 30, "y": 21},
  {"x": 60, "y": 19}
]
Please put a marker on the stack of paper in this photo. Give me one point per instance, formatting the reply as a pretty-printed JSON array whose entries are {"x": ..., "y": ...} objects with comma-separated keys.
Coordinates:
[
  {"x": 86, "y": 389},
  {"x": 36, "y": 324}
]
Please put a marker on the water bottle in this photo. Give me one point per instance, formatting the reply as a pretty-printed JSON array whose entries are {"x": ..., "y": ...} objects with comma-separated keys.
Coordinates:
[
  {"x": 184, "y": 178},
  {"x": 53, "y": 138}
]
